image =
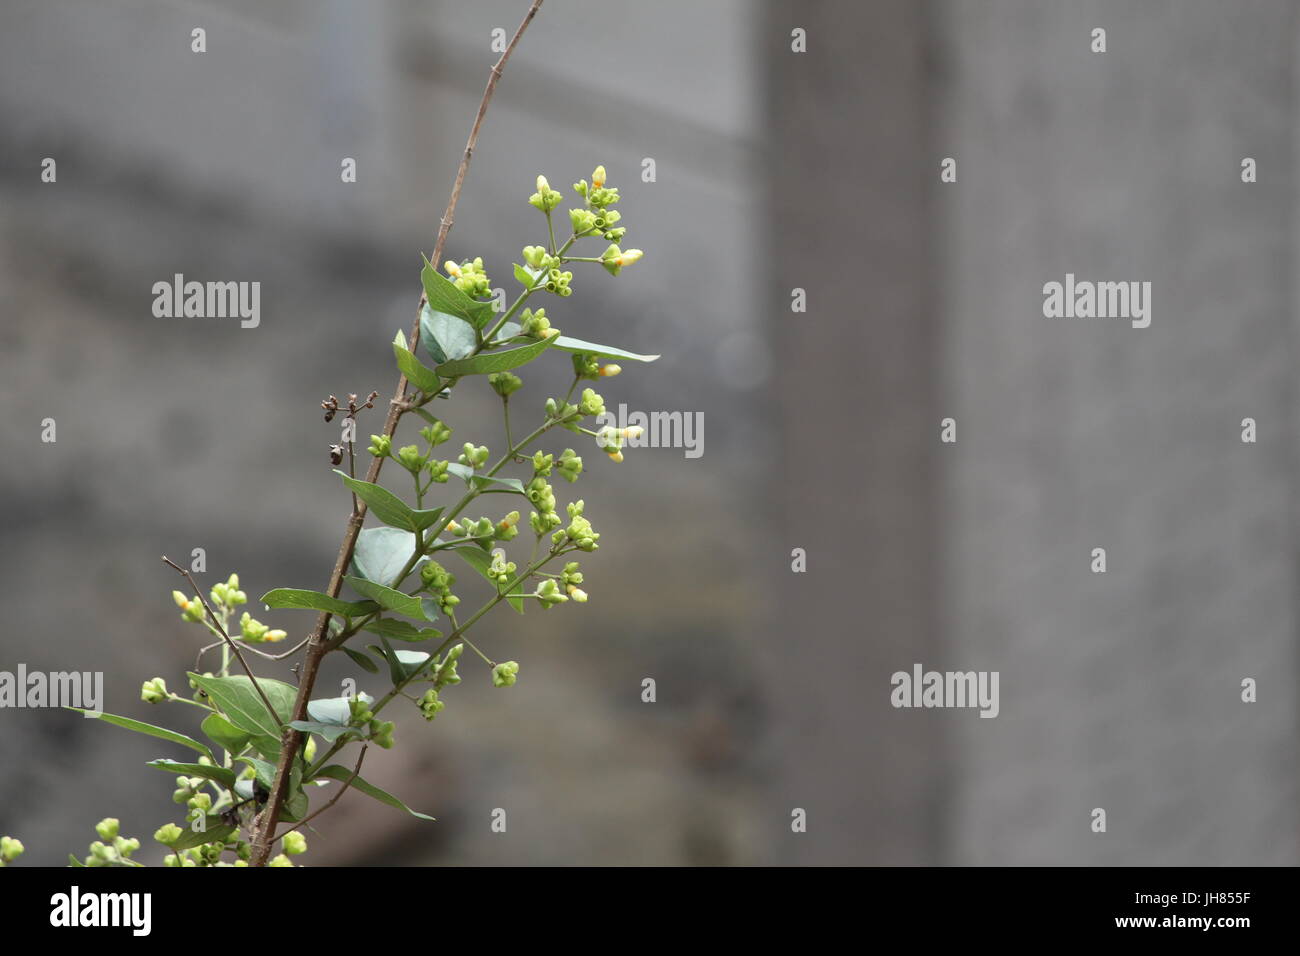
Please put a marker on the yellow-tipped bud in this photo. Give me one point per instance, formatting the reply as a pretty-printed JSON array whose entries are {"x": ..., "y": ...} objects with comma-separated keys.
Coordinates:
[
  {"x": 615, "y": 455},
  {"x": 276, "y": 635},
  {"x": 633, "y": 431},
  {"x": 452, "y": 269},
  {"x": 598, "y": 177},
  {"x": 550, "y": 333},
  {"x": 610, "y": 370},
  {"x": 578, "y": 594},
  {"x": 629, "y": 257},
  {"x": 181, "y": 600},
  {"x": 542, "y": 184}
]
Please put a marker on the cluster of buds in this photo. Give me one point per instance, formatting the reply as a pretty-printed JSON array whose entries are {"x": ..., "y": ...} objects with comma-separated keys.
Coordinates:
[
  {"x": 596, "y": 222},
  {"x": 255, "y": 632},
  {"x": 614, "y": 258},
  {"x": 591, "y": 403},
  {"x": 192, "y": 609},
  {"x": 507, "y": 528},
  {"x": 536, "y": 324},
  {"x": 545, "y": 198},
  {"x": 586, "y": 365},
  {"x": 505, "y": 674},
  {"x": 438, "y": 581},
  {"x": 611, "y": 439},
  {"x": 444, "y": 672},
  {"x": 557, "y": 282},
  {"x": 505, "y": 384},
  {"x": 409, "y": 457},
  {"x": 500, "y": 571},
  {"x": 474, "y": 457},
  {"x": 542, "y": 495},
  {"x": 598, "y": 195},
  {"x": 548, "y": 593},
  {"x": 579, "y": 531},
  {"x": 482, "y": 528},
  {"x": 154, "y": 691},
  {"x": 569, "y": 580},
  {"x": 381, "y": 446},
  {"x": 436, "y": 432},
  {"x": 469, "y": 276},
  {"x": 430, "y": 705},
  {"x": 111, "y": 849},
  {"x": 228, "y": 594}
]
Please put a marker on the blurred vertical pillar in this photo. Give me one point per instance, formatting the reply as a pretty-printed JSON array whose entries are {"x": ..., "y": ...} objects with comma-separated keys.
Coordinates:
[
  {"x": 1121, "y": 691},
  {"x": 849, "y": 173}
]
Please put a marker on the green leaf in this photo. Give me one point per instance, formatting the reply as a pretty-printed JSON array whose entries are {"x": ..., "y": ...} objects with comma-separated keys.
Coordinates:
[
  {"x": 243, "y": 706},
  {"x": 221, "y": 775},
  {"x": 401, "y": 664},
  {"x": 390, "y": 598},
  {"x": 485, "y": 482},
  {"x": 381, "y": 553},
  {"x": 446, "y": 337},
  {"x": 606, "y": 351},
  {"x": 215, "y": 831},
  {"x": 443, "y": 294},
  {"x": 487, "y": 362},
  {"x": 225, "y": 734},
  {"x": 264, "y": 769},
  {"x": 315, "y": 601},
  {"x": 389, "y": 508},
  {"x": 343, "y": 774},
  {"x": 330, "y": 732},
  {"x": 416, "y": 372},
  {"x": 525, "y": 275},
  {"x": 140, "y": 727},
  {"x": 334, "y": 710},
  {"x": 361, "y": 660},
  {"x": 401, "y": 630}
]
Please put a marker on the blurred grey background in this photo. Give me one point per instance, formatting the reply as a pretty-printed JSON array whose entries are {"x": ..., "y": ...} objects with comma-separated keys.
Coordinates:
[{"x": 774, "y": 170}]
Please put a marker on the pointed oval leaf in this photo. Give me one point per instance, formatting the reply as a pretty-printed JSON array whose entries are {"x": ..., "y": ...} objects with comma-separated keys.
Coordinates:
[{"x": 343, "y": 775}]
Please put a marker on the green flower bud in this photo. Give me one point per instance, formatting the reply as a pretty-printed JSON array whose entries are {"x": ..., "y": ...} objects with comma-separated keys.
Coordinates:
[
  {"x": 154, "y": 691},
  {"x": 168, "y": 834},
  {"x": 430, "y": 705},
  {"x": 409, "y": 457},
  {"x": 505, "y": 674},
  {"x": 545, "y": 198},
  {"x": 201, "y": 802},
  {"x": 584, "y": 221},
  {"x": 281, "y": 860},
  {"x": 10, "y": 849},
  {"x": 125, "y": 846},
  {"x": 383, "y": 734},
  {"x": 548, "y": 593},
  {"x": 534, "y": 324},
  {"x": 505, "y": 384},
  {"x": 592, "y": 403},
  {"x": 542, "y": 464},
  {"x": 294, "y": 843},
  {"x": 381, "y": 446},
  {"x": 436, "y": 433},
  {"x": 569, "y": 465},
  {"x": 474, "y": 457},
  {"x": 107, "y": 828}
]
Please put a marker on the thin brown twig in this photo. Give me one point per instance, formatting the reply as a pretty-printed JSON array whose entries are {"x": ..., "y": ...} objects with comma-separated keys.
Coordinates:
[
  {"x": 356, "y": 771},
  {"x": 291, "y": 739},
  {"x": 216, "y": 622}
]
